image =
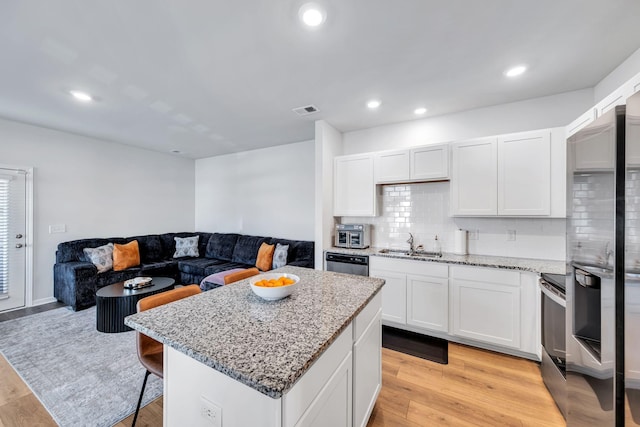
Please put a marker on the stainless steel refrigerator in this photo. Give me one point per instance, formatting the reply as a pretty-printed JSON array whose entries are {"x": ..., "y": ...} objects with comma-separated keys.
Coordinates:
[{"x": 603, "y": 262}]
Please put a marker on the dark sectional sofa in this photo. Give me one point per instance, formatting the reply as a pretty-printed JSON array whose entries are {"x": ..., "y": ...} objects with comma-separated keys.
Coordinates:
[{"x": 76, "y": 280}]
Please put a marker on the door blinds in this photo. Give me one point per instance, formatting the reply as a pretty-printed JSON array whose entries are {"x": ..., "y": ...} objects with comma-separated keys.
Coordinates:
[{"x": 4, "y": 235}]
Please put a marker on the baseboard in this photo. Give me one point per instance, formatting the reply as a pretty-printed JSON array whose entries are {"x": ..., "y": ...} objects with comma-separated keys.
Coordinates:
[{"x": 42, "y": 301}]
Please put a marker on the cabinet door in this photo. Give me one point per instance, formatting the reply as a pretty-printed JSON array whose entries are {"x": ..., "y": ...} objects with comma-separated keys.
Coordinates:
[
  {"x": 428, "y": 302},
  {"x": 486, "y": 312},
  {"x": 524, "y": 174},
  {"x": 354, "y": 187},
  {"x": 474, "y": 178},
  {"x": 430, "y": 162},
  {"x": 392, "y": 166},
  {"x": 394, "y": 296},
  {"x": 367, "y": 371},
  {"x": 595, "y": 150}
]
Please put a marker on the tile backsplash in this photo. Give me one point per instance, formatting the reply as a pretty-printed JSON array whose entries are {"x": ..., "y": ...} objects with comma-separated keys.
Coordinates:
[{"x": 423, "y": 209}]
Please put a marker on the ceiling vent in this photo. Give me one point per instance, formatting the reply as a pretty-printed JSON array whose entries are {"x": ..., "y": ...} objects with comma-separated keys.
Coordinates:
[{"x": 306, "y": 110}]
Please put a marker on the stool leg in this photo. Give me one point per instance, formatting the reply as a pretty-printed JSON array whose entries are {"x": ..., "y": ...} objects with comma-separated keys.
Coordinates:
[{"x": 144, "y": 384}]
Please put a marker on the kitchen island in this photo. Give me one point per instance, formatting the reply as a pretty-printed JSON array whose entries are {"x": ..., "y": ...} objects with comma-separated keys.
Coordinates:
[{"x": 233, "y": 359}]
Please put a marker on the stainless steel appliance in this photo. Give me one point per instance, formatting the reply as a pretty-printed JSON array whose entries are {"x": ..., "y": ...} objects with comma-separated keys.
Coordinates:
[
  {"x": 355, "y": 236},
  {"x": 553, "y": 366},
  {"x": 603, "y": 262},
  {"x": 350, "y": 264}
]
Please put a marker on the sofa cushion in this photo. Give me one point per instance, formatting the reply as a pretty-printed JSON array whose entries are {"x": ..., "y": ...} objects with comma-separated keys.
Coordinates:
[
  {"x": 73, "y": 251},
  {"x": 169, "y": 244},
  {"x": 111, "y": 277},
  {"x": 150, "y": 248},
  {"x": 280, "y": 256},
  {"x": 299, "y": 250},
  {"x": 186, "y": 247},
  {"x": 101, "y": 257},
  {"x": 221, "y": 245},
  {"x": 195, "y": 266},
  {"x": 246, "y": 249},
  {"x": 265, "y": 256},
  {"x": 126, "y": 256},
  {"x": 223, "y": 266}
]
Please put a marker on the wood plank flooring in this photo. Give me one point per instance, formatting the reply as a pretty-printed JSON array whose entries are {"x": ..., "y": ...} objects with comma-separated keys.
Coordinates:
[{"x": 476, "y": 388}]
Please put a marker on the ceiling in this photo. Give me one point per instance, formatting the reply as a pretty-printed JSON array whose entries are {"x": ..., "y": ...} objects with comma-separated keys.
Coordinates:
[{"x": 213, "y": 77}]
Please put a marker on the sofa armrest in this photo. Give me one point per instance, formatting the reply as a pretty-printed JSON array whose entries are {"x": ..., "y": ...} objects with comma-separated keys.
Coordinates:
[{"x": 74, "y": 283}]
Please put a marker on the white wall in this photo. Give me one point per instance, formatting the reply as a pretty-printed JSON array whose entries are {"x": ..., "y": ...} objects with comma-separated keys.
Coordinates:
[
  {"x": 267, "y": 192},
  {"x": 623, "y": 72},
  {"x": 328, "y": 144},
  {"x": 96, "y": 188},
  {"x": 538, "y": 113}
]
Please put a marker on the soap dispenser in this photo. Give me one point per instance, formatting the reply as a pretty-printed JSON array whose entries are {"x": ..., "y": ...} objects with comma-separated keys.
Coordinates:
[{"x": 437, "y": 248}]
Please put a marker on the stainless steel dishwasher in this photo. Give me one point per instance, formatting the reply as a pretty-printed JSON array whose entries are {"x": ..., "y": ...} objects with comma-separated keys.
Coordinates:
[{"x": 350, "y": 264}]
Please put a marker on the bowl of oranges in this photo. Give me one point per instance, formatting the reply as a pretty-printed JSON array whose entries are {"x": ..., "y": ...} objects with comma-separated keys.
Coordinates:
[{"x": 273, "y": 286}]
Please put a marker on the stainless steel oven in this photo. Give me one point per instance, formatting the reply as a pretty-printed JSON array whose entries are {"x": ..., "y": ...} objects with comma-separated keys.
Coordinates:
[{"x": 553, "y": 366}]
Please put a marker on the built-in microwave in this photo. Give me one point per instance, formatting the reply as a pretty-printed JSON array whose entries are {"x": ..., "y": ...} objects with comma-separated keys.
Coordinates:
[{"x": 355, "y": 236}]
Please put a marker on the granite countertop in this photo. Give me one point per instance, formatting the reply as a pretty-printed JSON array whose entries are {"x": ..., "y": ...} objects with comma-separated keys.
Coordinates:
[
  {"x": 267, "y": 345},
  {"x": 524, "y": 264}
]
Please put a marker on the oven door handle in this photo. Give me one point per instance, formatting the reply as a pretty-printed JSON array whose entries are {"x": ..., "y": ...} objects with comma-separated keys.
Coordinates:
[{"x": 553, "y": 296}]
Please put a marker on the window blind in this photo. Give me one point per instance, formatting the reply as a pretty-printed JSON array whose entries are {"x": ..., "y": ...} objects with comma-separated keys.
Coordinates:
[{"x": 4, "y": 236}]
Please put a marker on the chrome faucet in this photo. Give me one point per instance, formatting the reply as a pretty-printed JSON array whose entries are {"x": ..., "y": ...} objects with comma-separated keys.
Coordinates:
[
  {"x": 606, "y": 254},
  {"x": 412, "y": 249}
]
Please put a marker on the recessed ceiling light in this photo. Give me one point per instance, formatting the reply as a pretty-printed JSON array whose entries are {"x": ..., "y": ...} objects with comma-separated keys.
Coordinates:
[
  {"x": 174, "y": 151},
  {"x": 515, "y": 71},
  {"x": 419, "y": 111},
  {"x": 81, "y": 96},
  {"x": 312, "y": 15},
  {"x": 373, "y": 104}
]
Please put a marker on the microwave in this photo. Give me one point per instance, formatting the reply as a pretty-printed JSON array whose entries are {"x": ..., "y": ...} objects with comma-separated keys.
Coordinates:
[{"x": 354, "y": 236}]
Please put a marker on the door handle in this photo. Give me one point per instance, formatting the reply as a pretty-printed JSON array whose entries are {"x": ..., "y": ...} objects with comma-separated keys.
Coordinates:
[
  {"x": 18, "y": 236},
  {"x": 19, "y": 245}
]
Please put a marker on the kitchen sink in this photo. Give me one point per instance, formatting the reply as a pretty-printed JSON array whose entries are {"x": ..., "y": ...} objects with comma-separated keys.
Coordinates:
[{"x": 416, "y": 254}]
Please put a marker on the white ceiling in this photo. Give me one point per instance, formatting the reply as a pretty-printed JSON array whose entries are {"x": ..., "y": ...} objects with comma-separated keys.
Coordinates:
[{"x": 210, "y": 77}]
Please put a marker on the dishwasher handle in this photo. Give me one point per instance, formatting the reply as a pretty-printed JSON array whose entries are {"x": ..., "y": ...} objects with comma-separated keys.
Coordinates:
[{"x": 348, "y": 259}]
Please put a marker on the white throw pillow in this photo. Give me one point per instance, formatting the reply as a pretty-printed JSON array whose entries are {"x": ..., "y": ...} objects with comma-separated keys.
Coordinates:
[
  {"x": 280, "y": 255},
  {"x": 101, "y": 257},
  {"x": 186, "y": 246}
]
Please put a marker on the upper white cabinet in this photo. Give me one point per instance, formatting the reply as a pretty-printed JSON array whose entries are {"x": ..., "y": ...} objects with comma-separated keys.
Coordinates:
[
  {"x": 354, "y": 189},
  {"x": 524, "y": 174},
  {"x": 509, "y": 175},
  {"x": 392, "y": 166},
  {"x": 474, "y": 178},
  {"x": 428, "y": 163},
  {"x": 581, "y": 122}
]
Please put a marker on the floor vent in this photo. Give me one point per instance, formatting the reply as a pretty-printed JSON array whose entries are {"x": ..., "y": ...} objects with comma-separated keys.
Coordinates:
[{"x": 306, "y": 110}]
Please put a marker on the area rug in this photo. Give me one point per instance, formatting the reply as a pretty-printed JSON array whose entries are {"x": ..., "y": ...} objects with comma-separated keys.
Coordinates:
[
  {"x": 423, "y": 346},
  {"x": 83, "y": 377}
]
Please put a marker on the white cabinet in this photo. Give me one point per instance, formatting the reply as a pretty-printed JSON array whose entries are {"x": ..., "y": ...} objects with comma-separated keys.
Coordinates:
[
  {"x": 581, "y": 122},
  {"x": 524, "y": 174},
  {"x": 485, "y": 305},
  {"x": 392, "y": 166},
  {"x": 430, "y": 162},
  {"x": 394, "y": 295},
  {"x": 428, "y": 302},
  {"x": 508, "y": 175},
  {"x": 474, "y": 179},
  {"x": 367, "y": 370},
  {"x": 595, "y": 152},
  {"x": 354, "y": 188}
]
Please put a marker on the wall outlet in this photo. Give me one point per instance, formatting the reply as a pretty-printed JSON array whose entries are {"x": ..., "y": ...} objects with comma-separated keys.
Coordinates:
[
  {"x": 474, "y": 234},
  {"x": 511, "y": 235},
  {"x": 211, "y": 412},
  {"x": 58, "y": 228}
]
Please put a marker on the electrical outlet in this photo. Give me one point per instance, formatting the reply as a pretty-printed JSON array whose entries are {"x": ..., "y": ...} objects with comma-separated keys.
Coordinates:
[
  {"x": 474, "y": 234},
  {"x": 511, "y": 235},
  {"x": 211, "y": 412}
]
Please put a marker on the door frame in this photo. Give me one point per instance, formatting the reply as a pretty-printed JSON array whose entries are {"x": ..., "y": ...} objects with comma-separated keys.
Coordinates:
[{"x": 28, "y": 274}]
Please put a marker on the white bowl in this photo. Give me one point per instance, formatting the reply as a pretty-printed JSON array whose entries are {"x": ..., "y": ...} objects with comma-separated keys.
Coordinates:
[{"x": 272, "y": 294}]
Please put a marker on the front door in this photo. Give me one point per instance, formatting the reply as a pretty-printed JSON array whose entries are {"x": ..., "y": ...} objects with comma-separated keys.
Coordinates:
[{"x": 12, "y": 238}]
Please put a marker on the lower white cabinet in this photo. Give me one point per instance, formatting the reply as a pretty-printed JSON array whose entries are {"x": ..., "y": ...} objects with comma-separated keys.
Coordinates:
[
  {"x": 367, "y": 373},
  {"x": 394, "y": 295},
  {"x": 428, "y": 302}
]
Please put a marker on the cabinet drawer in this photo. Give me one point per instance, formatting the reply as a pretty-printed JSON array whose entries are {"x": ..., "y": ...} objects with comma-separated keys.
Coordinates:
[
  {"x": 427, "y": 268},
  {"x": 490, "y": 275}
]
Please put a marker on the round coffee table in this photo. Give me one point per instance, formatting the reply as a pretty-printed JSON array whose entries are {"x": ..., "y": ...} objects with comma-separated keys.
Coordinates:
[{"x": 115, "y": 302}]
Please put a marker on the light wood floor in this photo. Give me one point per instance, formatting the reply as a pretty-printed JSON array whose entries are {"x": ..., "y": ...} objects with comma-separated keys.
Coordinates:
[{"x": 476, "y": 388}]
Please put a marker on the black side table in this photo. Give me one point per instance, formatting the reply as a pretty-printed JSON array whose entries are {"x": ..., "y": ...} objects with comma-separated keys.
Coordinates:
[{"x": 115, "y": 302}]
